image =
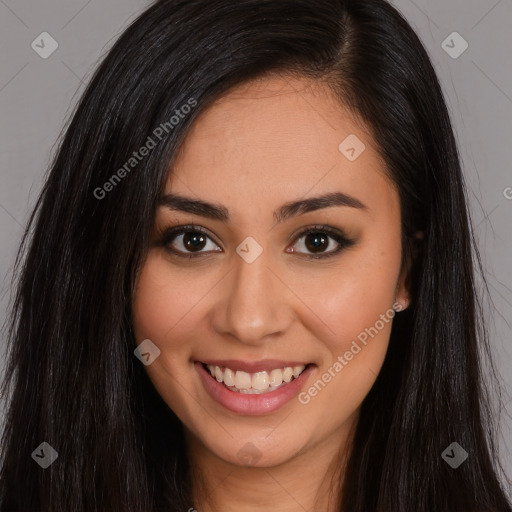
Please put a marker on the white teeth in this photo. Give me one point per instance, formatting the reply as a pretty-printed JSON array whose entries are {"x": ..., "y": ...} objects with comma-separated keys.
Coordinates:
[
  {"x": 260, "y": 381},
  {"x": 242, "y": 379},
  {"x": 297, "y": 370},
  {"x": 255, "y": 383},
  {"x": 229, "y": 377},
  {"x": 276, "y": 377},
  {"x": 288, "y": 374}
]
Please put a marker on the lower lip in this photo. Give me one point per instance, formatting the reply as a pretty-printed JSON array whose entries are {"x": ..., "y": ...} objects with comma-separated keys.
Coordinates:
[{"x": 252, "y": 404}]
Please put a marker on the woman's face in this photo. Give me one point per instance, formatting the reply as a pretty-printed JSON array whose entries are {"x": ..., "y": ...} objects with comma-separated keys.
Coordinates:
[{"x": 248, "y": 293}]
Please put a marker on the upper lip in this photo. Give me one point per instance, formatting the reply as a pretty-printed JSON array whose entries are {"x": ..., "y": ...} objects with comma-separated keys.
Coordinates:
[{"x": 264, "y": 365}]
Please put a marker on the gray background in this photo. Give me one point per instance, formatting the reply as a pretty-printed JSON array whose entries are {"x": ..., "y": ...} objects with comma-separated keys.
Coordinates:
[{"x": 37, "y": 95}]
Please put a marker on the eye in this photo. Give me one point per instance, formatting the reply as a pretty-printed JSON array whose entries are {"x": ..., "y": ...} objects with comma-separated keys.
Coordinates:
[
  {"x": 188, "y": 241},
  {"x": 321, "y": 242},
  {"x": 192, "y": 241}
]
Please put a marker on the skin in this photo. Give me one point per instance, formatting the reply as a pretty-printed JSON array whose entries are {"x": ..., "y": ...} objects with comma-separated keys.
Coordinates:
[{"x": 264, "y": 144}]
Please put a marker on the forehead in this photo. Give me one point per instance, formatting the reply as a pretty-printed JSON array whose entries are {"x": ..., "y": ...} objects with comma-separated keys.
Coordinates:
[{"x": 278, "y": 138}]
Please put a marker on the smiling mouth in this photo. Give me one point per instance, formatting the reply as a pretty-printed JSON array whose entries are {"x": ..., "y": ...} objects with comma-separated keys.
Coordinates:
[{"x": 254, "y": 383}]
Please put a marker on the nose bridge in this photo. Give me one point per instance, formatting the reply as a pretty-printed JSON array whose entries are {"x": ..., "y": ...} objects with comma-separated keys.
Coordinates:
[{"x": 254, "y": 305}]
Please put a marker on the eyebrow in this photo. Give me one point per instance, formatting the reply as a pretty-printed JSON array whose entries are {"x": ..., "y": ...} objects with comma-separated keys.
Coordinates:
[{"x": 291, "y": 209}]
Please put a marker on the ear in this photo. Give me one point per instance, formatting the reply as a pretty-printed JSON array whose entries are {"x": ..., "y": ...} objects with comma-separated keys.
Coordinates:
[{"x": 404, "y": 284}]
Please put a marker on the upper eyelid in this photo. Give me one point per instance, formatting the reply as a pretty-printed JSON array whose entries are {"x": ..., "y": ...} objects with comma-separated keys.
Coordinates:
[
  {"x": 317, "y": 227},
  {"x": 179, "y": 230}
]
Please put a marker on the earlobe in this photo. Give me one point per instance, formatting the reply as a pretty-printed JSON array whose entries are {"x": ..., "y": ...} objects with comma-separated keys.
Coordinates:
[
  {"x": 402, "y": 289},
  {"x": 401, "y": 304}
]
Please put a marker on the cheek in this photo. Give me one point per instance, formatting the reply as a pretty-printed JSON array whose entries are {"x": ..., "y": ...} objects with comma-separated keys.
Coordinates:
[
  {"x": 163, "y": 302},
  {"x": 356, "y": 300},
  {"x": 163, "y": 311},
  {"x": 357, "y": 306}
]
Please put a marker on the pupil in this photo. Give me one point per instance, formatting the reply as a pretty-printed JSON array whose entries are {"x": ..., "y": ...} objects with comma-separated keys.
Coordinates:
[
  {"x": 315, "y": 241},
  {"x": 194, "y": 240}
]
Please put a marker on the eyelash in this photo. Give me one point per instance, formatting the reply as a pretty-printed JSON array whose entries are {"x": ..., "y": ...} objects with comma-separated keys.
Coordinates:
[{"x": 343, "y": 241}]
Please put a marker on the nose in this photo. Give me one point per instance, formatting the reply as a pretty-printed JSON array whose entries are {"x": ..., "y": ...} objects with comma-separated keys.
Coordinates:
[{"x": 255, "y": 304}]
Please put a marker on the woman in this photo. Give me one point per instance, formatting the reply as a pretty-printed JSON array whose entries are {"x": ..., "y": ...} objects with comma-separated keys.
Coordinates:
[{"x": 248, "y": 280}]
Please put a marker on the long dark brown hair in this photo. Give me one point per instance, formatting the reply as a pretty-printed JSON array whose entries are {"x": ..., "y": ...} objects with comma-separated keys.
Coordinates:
[{"x": 72, "y": 379}]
